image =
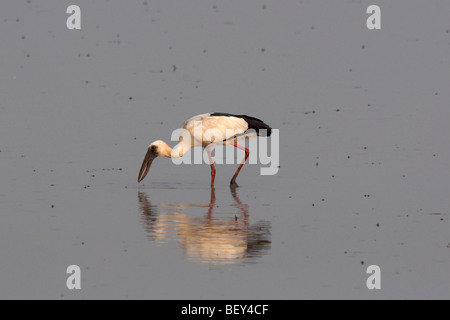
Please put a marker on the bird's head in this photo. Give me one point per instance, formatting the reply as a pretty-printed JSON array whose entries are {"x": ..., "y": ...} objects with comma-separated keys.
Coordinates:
[{"x": 156, "y": 149}]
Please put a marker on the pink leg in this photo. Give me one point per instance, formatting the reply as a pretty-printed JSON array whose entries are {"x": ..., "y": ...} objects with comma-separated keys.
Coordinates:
[
  {"x": 212, "y": 203},
  {"x": 213, "y": 168},
  {"x": 247, "y": 153}
]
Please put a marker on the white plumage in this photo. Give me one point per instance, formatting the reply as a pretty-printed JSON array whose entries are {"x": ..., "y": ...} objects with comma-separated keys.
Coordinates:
[{"x": 207, "y": 130}]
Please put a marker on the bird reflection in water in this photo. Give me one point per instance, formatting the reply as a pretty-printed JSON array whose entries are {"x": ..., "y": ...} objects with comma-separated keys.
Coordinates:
[{"x": 215, "y": 237}]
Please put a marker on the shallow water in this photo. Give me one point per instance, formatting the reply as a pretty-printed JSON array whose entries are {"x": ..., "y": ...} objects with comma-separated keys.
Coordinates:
[
  {"x": 364, "y": 150},
  {"x": 219, "y": 235}
]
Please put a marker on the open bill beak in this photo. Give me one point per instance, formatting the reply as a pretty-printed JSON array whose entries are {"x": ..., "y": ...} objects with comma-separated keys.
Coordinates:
[{"x": 145, "y": 166}]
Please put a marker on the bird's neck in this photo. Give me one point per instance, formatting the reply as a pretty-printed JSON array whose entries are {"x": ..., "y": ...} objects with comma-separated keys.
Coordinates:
[
  {"x": 179, "y": 150},
  {"x": 165, "y": 152}
]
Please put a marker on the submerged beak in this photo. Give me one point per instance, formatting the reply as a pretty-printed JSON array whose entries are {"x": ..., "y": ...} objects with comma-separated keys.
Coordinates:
[{"x": 145, "y": 166}]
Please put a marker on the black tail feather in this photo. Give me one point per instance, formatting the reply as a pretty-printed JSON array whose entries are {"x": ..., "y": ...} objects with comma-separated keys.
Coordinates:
[{"x": 253, "y": 123}]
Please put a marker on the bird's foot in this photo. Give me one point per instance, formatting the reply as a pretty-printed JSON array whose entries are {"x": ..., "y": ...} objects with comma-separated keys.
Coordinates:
[{"x": 233, "y": 183}]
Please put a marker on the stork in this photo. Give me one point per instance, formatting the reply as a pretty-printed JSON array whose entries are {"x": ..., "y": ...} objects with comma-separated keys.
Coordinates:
[{"x": 231, "y": 127}]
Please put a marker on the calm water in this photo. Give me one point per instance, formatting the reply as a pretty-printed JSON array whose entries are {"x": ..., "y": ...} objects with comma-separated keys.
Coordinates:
[
  {"x": 364, "y": 150},
  {"x": 207, "y": 233}
]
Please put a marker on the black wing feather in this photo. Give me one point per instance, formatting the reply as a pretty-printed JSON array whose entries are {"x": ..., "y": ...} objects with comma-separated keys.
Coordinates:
[{"x": 253, "y": 123}]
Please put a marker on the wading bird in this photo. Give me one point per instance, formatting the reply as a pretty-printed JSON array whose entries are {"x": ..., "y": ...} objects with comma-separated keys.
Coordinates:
[{"x": 230, "y": 128}]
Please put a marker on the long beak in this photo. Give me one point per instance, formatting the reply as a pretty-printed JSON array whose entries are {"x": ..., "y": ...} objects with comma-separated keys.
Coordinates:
[{"x": 145, "y": 166}]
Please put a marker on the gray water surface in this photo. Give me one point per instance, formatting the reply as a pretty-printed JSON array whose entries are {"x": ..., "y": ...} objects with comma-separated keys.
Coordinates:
[{"x": 364, "y": 173}]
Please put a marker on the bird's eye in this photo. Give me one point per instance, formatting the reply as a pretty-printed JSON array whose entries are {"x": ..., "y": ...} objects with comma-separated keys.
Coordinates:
[{"x": 153, "y": 148}]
